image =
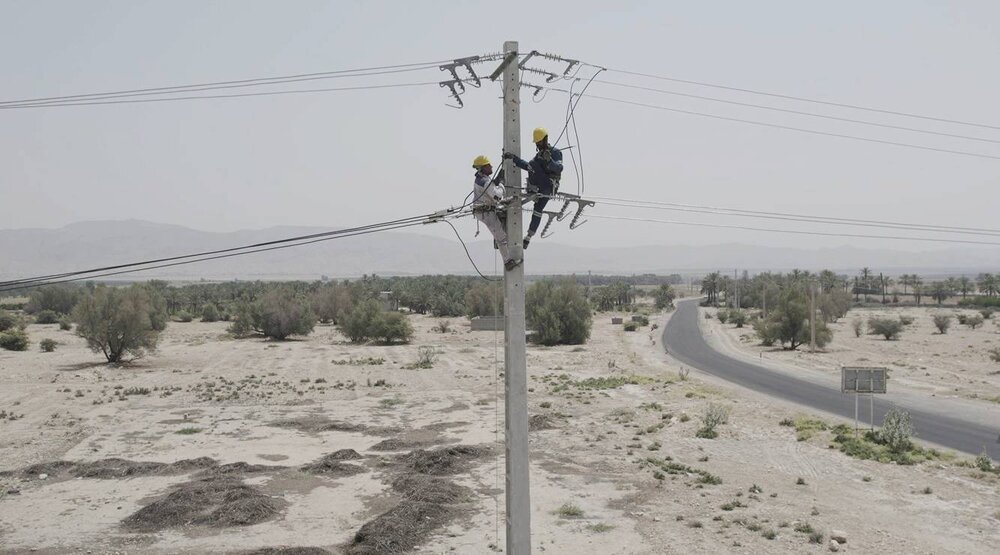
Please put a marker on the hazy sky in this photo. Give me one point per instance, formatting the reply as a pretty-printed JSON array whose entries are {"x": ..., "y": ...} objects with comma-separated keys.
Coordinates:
[{"x": 347, "y": 158}]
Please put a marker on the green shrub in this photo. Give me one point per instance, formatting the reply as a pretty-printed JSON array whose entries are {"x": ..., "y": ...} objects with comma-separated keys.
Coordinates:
[
  {"x": 9, "y": 321},
  {"x": 896, "y": 430},
  {"x": 484, "y": 299},
  {"x": 46, "y": 317},
  {"x": 995, "y": 354},
  {"x": 393, "y": 327},
  {"x": 905, "y": 319},
  {"x": 119, "y": 321},
  {"x": 983, "y": 462},
  {"x": 974, "y": 321},
  {"x": 664, "y": 296},
  {"x": 47, "y": 345},
  {"x": 332, "y": 302},
  {"x": 57, "y": 298},
  {"x": 713, "y": 416},
  {"x": 558, "y": 312},
  {"x": 738, "y": 317},
  {"x": 963, "y": 319},
  {"x": 184, "y": 316},
  {"x": 367, "y": 321},
  {"x": 858, "y": 325},
  {"x": 886, "y": 327},
  {"x": 722, "y": 315},
  {"x": 942, "y": 322},
  {"x": 65, "y": 324},
  {"x": 630, "y": 326},
  {"x": 246, "y": 319},
  {"x": 209, "y": 313},
  {"x": 789, "y": 323},
  {"x": 283, "y": 314},
  {"x": 14, "y": 340}
]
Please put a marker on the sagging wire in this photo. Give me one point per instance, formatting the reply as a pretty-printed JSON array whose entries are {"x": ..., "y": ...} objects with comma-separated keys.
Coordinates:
[{"x": 467, "y": 254}]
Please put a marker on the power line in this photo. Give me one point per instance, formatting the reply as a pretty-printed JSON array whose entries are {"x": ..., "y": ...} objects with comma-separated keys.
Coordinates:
[
  {"x": 797, "y": 112},
  {"x": 786, "y": 127},
  {"x": 217, "y": 96},
  {"x": 255, "y": 80},
  {"x": 795, "y": 232},
  {"x": 36, "y": 279},
  {"x": 804, "y": 99},
  {"x": 699, "y": 209}
]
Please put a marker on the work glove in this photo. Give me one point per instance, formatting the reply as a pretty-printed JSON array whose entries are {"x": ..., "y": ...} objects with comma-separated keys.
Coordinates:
[
  {"x": 545, "y": 155},
  {"x": 508, "y": 155}
]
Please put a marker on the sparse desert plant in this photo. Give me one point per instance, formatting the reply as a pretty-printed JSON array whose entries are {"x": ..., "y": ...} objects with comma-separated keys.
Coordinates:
[
  {"x": 664, "y": 296},
  {"x": 209, "y": 313},
  {"x": 984, "y": 462},
  {"x": 188, "y": 431},
  {"x": 184, "y": 316},
  {"x": 942, "y": 322},
  {"x": 987, "y": 313},
  {"x": 65, "y": 324},
  {"x": 630, "y": 326},
  {"x": 393, "y": 327},
  {"x": 569, "y": 510},
  {"x": 47, "y": 345},
  {"x": 858, "y": 325},
  {"x": 245, "y": 319},
  {"x": 444, "y": 326},
  {"x": 46, "y": 317},
  {"x": 738, "y": 318},
  {"x": 14, "y": 340},
  {"x": 283, "y": 314},
  {"x": 683, "y": 374},
  {"x": 896, "y": 430},
  {"x": 974, "y": 321},
  {"x": 906, "y": 319},
  {"x": 886, "y": 327},
  {"x": 994, "y": 354},
  {"x": 426, "y": 357},
  {"x": 788, "y": 323},
  {"x": 722, "y": 315},
  {"x": 332, "y": 302},
  {"x": 558, "y": 312},
  {"x": 713, "y": 416},
  {"x": 118, "y": 321},
  {"x": 368, "y": 321},
  {"x": 708, "y": 315},
  {"x": 962, "y": 319}
]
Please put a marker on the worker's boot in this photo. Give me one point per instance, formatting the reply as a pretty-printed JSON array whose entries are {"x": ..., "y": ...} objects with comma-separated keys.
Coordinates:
[
  {"x": 511, "y": 264},
  {"x": 526, "y": 241}
]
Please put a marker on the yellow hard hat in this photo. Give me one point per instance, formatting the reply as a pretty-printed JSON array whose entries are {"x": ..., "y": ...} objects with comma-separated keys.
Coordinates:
[
  {"x": 480, "y": 161},
  {"x": 538, "y": 134}
]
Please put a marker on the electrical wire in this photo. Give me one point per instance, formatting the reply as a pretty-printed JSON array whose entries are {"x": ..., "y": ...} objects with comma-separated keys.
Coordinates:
[
  {"x": 796, "y": 232},
  {"x": 786, "y": 127},
  {"x": 797, "y": 112},
  {"x": 22, "y": 281},
  {"x": 803, "y": 99},
  {"x": 797, "y": 217},
  {"x": 457, "y": 234},
  {"x": 218, "y": 96},
  {"x": 254, "y": 81}
]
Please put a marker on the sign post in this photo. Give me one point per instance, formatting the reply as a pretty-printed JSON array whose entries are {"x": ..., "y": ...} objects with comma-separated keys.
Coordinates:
[{"x": 858, "y": 380}]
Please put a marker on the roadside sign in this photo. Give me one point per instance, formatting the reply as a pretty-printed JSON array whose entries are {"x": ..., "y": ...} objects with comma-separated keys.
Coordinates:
[{"x": 862, "y": 379}]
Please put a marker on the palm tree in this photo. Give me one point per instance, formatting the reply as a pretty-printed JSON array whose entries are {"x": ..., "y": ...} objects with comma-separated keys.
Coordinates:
[
  {"x": 710, "y": 287},
  {"x": 917, "y": 284},
  {"x": 866, "y": 276},
  {"x": 964, "y": 285}
]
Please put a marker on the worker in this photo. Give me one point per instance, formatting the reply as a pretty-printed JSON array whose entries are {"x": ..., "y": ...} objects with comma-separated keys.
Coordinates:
[
  {"x": 544, "y": 172},
  {"x": 485, "y": 201}
]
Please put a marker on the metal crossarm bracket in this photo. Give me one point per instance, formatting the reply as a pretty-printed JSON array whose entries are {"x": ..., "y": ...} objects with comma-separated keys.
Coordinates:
[
  {"x": 552, "y": 216},
  {"x": 467, "y": 64},
  {"x": 509, "y": 59}
]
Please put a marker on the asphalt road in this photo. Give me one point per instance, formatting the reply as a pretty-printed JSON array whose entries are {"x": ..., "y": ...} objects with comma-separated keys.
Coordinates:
[{"x": 684, "y": 341}]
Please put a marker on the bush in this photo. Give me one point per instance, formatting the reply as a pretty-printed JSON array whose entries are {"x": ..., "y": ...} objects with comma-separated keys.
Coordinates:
[
  {"x": 942, "y": 322},
  {"x": 788, "y": 323},
  {"x": 57, "y": 298},
  {"x": 283, "y": 314},
  {"x": 245, "y": 319},
  {"x": 987, "y": 313},
  {"x": 368, "y": 321},
  {"x": 118, "y": 322},
  {"x": 444, "y": 326},
  {"x": 209, "y": 313},
  {"x": 858, "y": 325},
  {"x": 558, "y": 313},
  {"x": 905, "y": 319},
  {"x": 664, "y": 296},
  {"x": 184, "y": 316},
  {"x": 974, "y": 321},
  {"x": 9, "y": 321},
  {"x": 426, "y": 357},
  {"x": 886, "y": 327},
  {"x": 484, "y": 300},
  {"x": 46, "y": 317},
  {"x": 722, "y": 315},
  {"x": 738, "y": 317},
  {"x": 896, "y": 430},
  {"x": 14, "y": 340},
  {"x": 630, "y": 326},
  {"x": 995, "y": 354},
  {"x": 47, "y": 345},
  {"x": 713, "y": 416},
  {"x": 65, "y": 324},
  {"x": 983, "y": 462}
]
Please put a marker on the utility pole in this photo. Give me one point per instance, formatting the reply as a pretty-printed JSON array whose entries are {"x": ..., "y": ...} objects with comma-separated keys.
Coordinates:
[
  {"x": 515, "y": 349},
  {"x": 812, "y": 317}
]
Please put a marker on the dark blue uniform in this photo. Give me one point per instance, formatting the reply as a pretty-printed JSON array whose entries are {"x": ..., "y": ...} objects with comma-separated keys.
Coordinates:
[{"x": 544, "y": 171}]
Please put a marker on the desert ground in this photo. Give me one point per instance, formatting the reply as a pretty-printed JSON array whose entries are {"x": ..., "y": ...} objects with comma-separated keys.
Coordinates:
[
  {"x": 953, "y": 364},
  {"x": 317, "y": 444}
]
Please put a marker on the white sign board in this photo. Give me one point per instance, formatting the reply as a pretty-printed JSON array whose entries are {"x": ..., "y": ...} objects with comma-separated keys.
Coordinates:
[{"x": 862, "y": 379}]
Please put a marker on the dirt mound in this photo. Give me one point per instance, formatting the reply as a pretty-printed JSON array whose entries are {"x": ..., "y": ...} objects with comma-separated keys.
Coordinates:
[
  {"x": 52, "y": 468},
  {"x": 400, "y": 529},
  {"x": 428, "y": 489},
  {"x": 215, "y": 501},
  {"x": 286, "y": 551},
  {"x": 538, "y": 422},
  {"x": 445, "y": 460},
  {"x": 316, "y": 424},
  {"x": 331, "y": 465},
  {"x": 345, "y": 455},
  {"x": 398, "y": 444},
  {"x": 106, "y": 469},
  {"x": 238, "y": 468}
]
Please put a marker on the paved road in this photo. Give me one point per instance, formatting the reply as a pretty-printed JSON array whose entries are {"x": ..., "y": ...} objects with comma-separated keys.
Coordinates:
[{"x": 684, "y": 341}]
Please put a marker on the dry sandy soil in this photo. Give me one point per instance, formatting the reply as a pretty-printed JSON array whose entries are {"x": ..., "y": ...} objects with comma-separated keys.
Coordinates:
[
  {"x": 613, "y": 444},
  {"x": 955, "y": 364}
]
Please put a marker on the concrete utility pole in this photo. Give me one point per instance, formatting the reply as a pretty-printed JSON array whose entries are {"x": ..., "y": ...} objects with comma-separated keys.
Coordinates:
[{"x": 515, "y": 366}]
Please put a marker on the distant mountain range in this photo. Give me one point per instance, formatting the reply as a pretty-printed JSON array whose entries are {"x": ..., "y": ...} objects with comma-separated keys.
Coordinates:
[{"x": 29, "y": 252}]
